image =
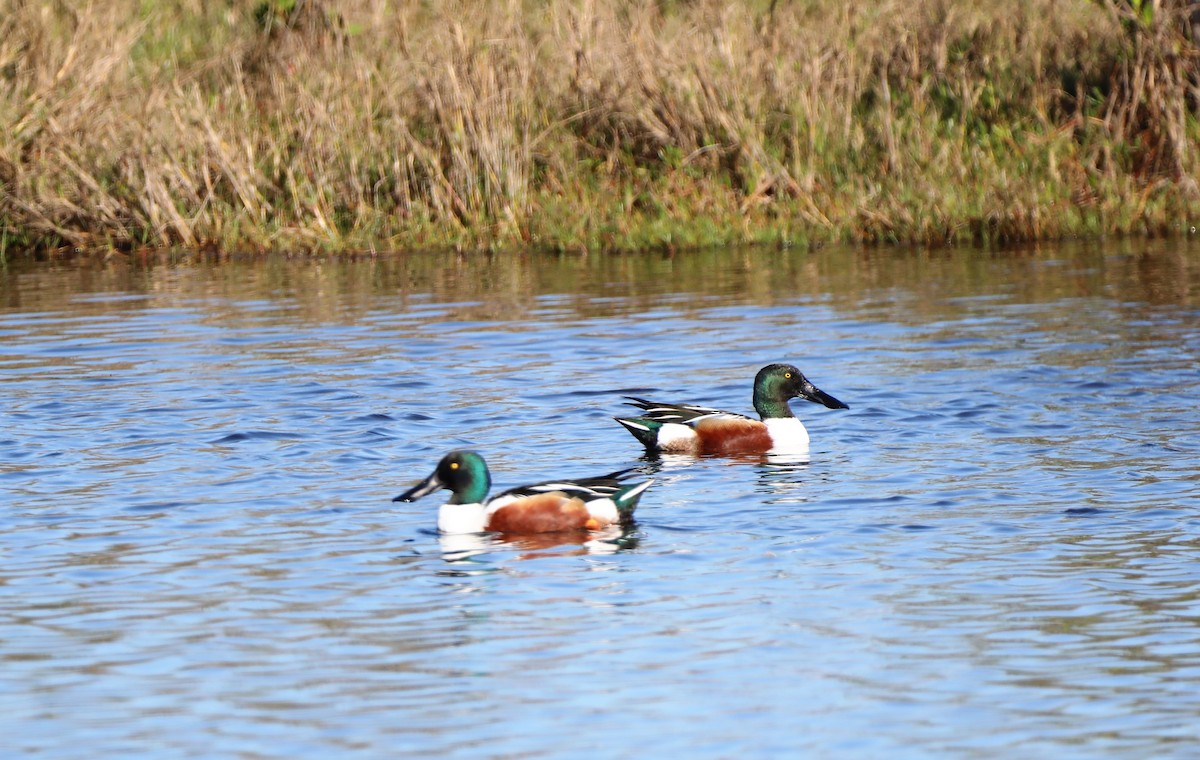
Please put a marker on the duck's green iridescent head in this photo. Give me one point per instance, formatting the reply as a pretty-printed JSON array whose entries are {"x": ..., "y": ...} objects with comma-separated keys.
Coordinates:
[
  {"x": 463, "y": 473},
  {"x": 776, "y": 383}
]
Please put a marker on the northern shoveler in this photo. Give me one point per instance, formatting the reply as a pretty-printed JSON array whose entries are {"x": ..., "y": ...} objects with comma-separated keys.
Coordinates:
[
  {"x": 552, "y": 506},
  {"x": 688, "y": 429}
]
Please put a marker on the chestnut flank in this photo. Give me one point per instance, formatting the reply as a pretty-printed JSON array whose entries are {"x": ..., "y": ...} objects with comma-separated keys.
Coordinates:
[
  {"x": 544, "y": 513},
  {"x": 725, "y": 436}
]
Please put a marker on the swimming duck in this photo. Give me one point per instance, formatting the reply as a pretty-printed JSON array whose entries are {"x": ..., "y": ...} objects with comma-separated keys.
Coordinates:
[
  {"x": 690, "y": 429},
  {"x": 552, "y": 506}
]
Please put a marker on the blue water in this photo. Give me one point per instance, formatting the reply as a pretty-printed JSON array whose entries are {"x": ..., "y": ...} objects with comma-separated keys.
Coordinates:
[{"x": 992, "y": 553}]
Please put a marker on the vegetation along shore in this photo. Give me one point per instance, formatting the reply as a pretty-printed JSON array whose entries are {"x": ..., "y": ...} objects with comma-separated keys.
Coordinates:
[{"x": 303, "y": 125}]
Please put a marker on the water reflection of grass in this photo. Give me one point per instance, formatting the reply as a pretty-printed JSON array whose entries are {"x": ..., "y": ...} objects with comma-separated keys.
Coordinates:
[
  {"x": 325, "y": 126},
  {"x": 884, "y": 284}
]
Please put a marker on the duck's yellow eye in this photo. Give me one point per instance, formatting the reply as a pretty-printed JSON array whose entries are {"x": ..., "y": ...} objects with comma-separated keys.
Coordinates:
[
  {"x": 454, "y": 465},
  {"x": 788, "y": 375}
]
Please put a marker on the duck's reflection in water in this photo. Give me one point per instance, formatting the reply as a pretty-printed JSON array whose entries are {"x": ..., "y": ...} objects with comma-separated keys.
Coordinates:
[
  {"x": 465, "y": 548},
  {"x": 781, "y": 477}
]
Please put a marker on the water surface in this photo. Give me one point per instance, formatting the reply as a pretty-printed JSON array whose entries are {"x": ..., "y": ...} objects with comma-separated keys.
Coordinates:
[{"x": 992, "y": 553}]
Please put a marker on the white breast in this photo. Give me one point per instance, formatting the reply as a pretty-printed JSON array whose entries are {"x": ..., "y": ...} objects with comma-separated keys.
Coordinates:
[
  {"x": 462, "y": 518},
  {"x": 788, "y": 435}
]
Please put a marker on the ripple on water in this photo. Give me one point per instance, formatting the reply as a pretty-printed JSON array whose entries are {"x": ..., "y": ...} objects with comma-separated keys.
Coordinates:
[{"x": 989, "y": 554}]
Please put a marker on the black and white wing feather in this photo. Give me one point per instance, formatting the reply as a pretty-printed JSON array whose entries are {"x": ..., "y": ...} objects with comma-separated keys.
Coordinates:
[
  {"x": 682, "y": 414},
  {"x": 584, "y": 489}
]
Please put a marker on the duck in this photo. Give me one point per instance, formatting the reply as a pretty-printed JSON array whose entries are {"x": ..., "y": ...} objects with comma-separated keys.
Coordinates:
[
  {"x": 552, "y": 506},
  {"x": 671, "y": 428}
]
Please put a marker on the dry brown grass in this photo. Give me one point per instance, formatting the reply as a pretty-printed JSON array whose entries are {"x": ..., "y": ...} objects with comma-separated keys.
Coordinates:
[{"x": 590, "y": 123}]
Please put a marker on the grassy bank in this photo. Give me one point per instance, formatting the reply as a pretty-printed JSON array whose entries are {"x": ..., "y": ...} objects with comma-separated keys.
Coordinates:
[{"x": 577, "y": 124}]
